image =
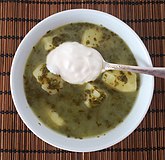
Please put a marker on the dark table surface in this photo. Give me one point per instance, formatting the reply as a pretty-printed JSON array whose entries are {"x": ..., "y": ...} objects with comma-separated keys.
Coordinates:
[{"x": 17, "y": 17}]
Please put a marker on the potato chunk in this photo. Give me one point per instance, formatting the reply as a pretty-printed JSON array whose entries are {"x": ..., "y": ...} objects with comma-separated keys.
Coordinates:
[
  {"x": 91, "y": 37},
  {"x": 50, "y": 82},
  {"x": 120, "y": 81},
  {"x": 47, "y": 42},
  {"x": 93, "y": 95},
  {"x": 56, "y": 118},
  {"x": 51, "y": 113}
]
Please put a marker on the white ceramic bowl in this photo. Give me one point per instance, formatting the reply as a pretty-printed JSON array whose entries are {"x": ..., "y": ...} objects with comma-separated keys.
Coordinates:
[{"x": 88, "y": 144}]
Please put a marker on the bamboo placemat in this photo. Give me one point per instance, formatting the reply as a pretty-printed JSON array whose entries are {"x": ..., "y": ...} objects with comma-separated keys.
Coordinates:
[{"x": 17, "y": 17}]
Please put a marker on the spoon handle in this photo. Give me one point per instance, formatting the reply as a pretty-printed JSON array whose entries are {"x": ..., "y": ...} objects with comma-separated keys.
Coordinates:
[{"x": 154, "y": 71}]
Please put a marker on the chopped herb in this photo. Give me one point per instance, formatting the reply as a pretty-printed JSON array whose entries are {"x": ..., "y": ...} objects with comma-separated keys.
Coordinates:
[
  {"x": 113, "y": 34},
  {"x": 89, "y": 116},
  {"x": 57, "y": 41},
  {"x": 34, "y": 48},
  {"x": 98, "y": 123},
  {"x": 48, "y": 31},
  {"x": 105, "y": 75},
  {"x": 87, "y": 91},
  {"x": 123, "y": 78},
  {"x": 121, "y": 72},
  {"x": 68, "y": 136},
  {"x": 81, "y": 111},
  {"x": 53, "y": 84},
  {"x": 116, "y": 83},
  {"x": 87, "y": 42}
]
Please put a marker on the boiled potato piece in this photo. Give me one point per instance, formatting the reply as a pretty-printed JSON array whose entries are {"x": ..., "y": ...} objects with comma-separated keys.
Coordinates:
[
  {"x": 93, "y": 95},
  {"x": 52, "y": 114},
  {"x": 56, "y": 118},
  {"x": 50, "y": 82},
  {"x": 91, "y": 37},
  {"x": 120, "y": 81},
  {"x": 61, "y": 38},
  {"x": 47, "y": 42}
]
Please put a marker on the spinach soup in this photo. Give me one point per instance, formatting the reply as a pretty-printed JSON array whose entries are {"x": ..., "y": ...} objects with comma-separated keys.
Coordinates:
[{"x": 89, "y": 109}]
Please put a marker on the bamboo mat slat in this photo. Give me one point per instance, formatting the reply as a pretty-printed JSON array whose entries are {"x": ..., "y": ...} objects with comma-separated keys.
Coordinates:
[{"x": 17, "y": 17}]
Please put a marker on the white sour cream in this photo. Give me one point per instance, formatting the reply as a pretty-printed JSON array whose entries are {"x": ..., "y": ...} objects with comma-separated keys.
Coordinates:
[{"x": 75, "y": 63}]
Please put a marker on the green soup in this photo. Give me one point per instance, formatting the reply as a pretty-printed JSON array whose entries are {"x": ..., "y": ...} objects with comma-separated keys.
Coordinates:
[{"x": 80, "y": 121}]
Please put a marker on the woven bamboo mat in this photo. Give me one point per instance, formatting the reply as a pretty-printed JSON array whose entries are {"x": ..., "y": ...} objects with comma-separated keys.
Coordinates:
[{"x": 17, "y": 17}]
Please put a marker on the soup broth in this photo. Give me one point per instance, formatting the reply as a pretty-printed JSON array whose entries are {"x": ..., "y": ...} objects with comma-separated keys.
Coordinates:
[{"x": 76, "y": 119}]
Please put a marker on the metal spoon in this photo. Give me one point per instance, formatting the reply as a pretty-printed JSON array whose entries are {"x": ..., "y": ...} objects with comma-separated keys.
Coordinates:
[{"x": 154, "y": 71}]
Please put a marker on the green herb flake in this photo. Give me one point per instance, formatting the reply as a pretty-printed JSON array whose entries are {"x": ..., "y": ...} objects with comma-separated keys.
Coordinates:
[
  {"x": 48, "y": 31},
  {"x": 94, "y": 39},
  {"x": 87, "y": 42},
  {"x": 98, "y": 123}
]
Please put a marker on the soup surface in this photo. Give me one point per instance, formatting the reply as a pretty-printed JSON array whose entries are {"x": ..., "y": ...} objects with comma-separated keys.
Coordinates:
[{"x": 76, "y": 118}]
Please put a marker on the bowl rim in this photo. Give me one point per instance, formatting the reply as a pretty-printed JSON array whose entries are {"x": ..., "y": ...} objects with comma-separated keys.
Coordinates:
[{"x": 70, "y": 148}]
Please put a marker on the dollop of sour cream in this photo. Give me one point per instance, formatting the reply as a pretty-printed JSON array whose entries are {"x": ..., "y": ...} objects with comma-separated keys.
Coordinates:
[{"x": 75, "y": 63}]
